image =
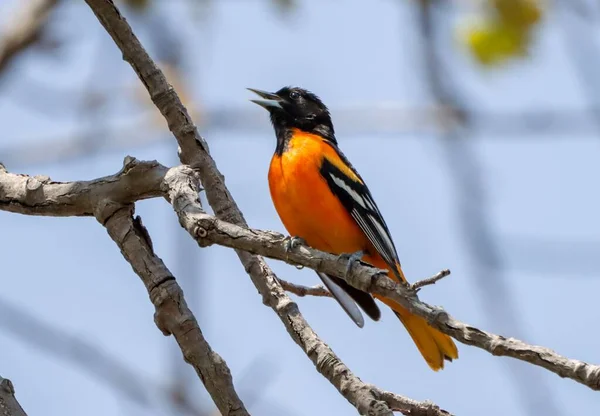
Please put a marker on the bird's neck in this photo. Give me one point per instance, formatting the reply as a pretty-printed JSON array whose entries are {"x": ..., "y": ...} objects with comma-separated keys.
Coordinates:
[{"x": 284, "y": 134}]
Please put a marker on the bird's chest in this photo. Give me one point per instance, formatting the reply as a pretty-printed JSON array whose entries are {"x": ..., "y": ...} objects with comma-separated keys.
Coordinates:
[
  {"x": 304, "y": 202},
  {"x": 296, "y": 185}
]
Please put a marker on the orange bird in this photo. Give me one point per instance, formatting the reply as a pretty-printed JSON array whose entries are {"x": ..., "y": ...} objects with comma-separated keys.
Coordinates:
[{"x": 322, "y": 200}]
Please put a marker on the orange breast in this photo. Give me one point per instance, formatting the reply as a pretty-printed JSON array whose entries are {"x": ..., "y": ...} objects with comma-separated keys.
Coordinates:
[{"x": 304, "y": 202}]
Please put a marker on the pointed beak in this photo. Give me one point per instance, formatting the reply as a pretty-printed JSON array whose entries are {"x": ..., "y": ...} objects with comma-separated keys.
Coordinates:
[{"x": 269, "y": 100}]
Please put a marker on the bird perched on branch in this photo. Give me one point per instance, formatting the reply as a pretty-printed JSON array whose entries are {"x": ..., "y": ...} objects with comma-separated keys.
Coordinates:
[{"x": 322, "y": 200}]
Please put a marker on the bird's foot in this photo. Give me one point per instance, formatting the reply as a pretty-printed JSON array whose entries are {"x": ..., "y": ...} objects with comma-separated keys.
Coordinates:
[
  {"x": 352, "y": 258},
  {"x": 292, "y": 242}
]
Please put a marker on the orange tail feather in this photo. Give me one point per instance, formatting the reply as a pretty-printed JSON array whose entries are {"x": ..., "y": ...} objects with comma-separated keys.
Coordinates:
[{"x": 433, "y": 345}]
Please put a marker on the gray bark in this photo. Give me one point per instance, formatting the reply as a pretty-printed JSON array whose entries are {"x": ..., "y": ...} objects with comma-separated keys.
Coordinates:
[{"x": 9, "y": 406}]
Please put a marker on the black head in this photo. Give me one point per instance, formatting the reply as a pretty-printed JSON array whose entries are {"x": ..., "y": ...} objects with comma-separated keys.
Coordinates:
[{"x": 293, "y": 107}]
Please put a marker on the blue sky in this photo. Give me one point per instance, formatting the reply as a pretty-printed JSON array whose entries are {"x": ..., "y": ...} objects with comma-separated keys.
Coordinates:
[{"x": 539, "y": 193}]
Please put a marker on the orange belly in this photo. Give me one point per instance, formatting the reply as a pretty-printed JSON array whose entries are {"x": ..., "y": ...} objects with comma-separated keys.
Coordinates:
[{"x": 304, "y": 202}]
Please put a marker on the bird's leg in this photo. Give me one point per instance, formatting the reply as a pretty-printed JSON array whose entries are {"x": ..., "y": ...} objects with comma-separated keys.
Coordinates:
[
  {"x": 292, "y": 242},
  {"x": 352, "y": 258}
]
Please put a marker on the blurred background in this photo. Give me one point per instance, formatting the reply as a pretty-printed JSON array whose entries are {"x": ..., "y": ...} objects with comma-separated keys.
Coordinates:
[{"x": 475, "y": 123}]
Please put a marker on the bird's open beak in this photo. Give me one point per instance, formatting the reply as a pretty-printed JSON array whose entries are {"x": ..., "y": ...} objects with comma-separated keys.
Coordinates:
[{"x": 269, "y": 100}]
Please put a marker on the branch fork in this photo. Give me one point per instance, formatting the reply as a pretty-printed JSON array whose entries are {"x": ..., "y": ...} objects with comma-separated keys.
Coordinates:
[{"x": 110, "y": 200}]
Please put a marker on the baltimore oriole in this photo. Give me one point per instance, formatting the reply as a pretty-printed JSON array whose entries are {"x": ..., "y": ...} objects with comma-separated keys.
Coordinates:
[{"x": 322, "y": 200}]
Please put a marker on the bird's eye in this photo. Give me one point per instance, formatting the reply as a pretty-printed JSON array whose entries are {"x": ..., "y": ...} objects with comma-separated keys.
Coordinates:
[{"x": 294, "y": 95}]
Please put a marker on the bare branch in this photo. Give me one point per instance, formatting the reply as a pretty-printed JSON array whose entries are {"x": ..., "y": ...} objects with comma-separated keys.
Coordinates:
[
  {"x": 302, "y": 291},
  {"x": 181, "y": 187},
  {"x": 411, "y": 407},
  {"x": 194, "y": 151},
  {"x": 193, "y": 148},
  {"x": 24, "y": 29},
  {"x": 38, "y": 195},
  {"x": 321, "y": 291},
  {"x": 9, "y": 406},
  {"x": 430, "y": 280},
  {"x": 172, "y": 316},
  {"x": 136, "y": 180},
  {"x": 207, "y": 230}
]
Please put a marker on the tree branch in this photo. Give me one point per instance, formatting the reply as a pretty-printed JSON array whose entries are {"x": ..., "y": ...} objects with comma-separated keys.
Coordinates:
[
  {"x": 180, "y": 186},
  {"x": 172, "y": 316},
  {"x": 28, "y": 195},
  {"x": 38, "y": 195},
  {"x": 24, "y": 29},
  {"x": 194, "y": 152},
  {"x": 206, "y": 230},
  {"x": 9, "y": 406},
  {"x": 110, "y": 200},
  {"x": 411, "y": 407},
  {"x": 302, "y": 291},
  {"x": 430, "y": 280},
  {"x": 182, "y": 189}
]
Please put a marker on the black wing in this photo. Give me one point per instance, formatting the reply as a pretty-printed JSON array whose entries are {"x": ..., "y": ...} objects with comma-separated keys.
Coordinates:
[
  {"x": 343, "y": 298},
  {"x": 356, "y": 198},
  {"x": 363, "y": 299}
]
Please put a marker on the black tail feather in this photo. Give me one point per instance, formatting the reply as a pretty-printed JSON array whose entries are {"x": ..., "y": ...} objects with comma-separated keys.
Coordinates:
[{"x": 363, "y": 299}]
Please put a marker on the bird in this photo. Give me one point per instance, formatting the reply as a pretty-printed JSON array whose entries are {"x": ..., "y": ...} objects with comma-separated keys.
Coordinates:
[{"x": 323, "y": 202}]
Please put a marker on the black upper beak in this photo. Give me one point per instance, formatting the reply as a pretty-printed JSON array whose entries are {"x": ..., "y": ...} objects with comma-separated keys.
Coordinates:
[{"x": 269, "y": 100}]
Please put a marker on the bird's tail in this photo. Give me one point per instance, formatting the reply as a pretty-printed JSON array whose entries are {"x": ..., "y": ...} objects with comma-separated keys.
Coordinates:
[{"x": 433, "y": 345}]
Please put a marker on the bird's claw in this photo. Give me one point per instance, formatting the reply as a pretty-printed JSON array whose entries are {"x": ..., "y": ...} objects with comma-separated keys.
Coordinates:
[
  {"x": 352, "y": 258},
  {"x": 293, "y": 242}
]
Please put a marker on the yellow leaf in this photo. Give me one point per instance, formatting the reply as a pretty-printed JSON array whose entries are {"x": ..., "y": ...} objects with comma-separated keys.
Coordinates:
[
  {"x": 496, "y": 42},
  {"x": 521, "y": 13}
]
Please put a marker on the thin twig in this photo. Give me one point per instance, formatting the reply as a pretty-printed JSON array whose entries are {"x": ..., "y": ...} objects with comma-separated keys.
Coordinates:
[
  {"x": 399, "y": 404},
  {"x": 430, "y": 280},
  {"x": 299, "y": 290}
]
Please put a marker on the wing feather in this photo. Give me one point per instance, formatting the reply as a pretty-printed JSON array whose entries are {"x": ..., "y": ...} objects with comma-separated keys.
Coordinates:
[
  {"x": 344, "y": 299},
  {"x": 356, "y": 198}
]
